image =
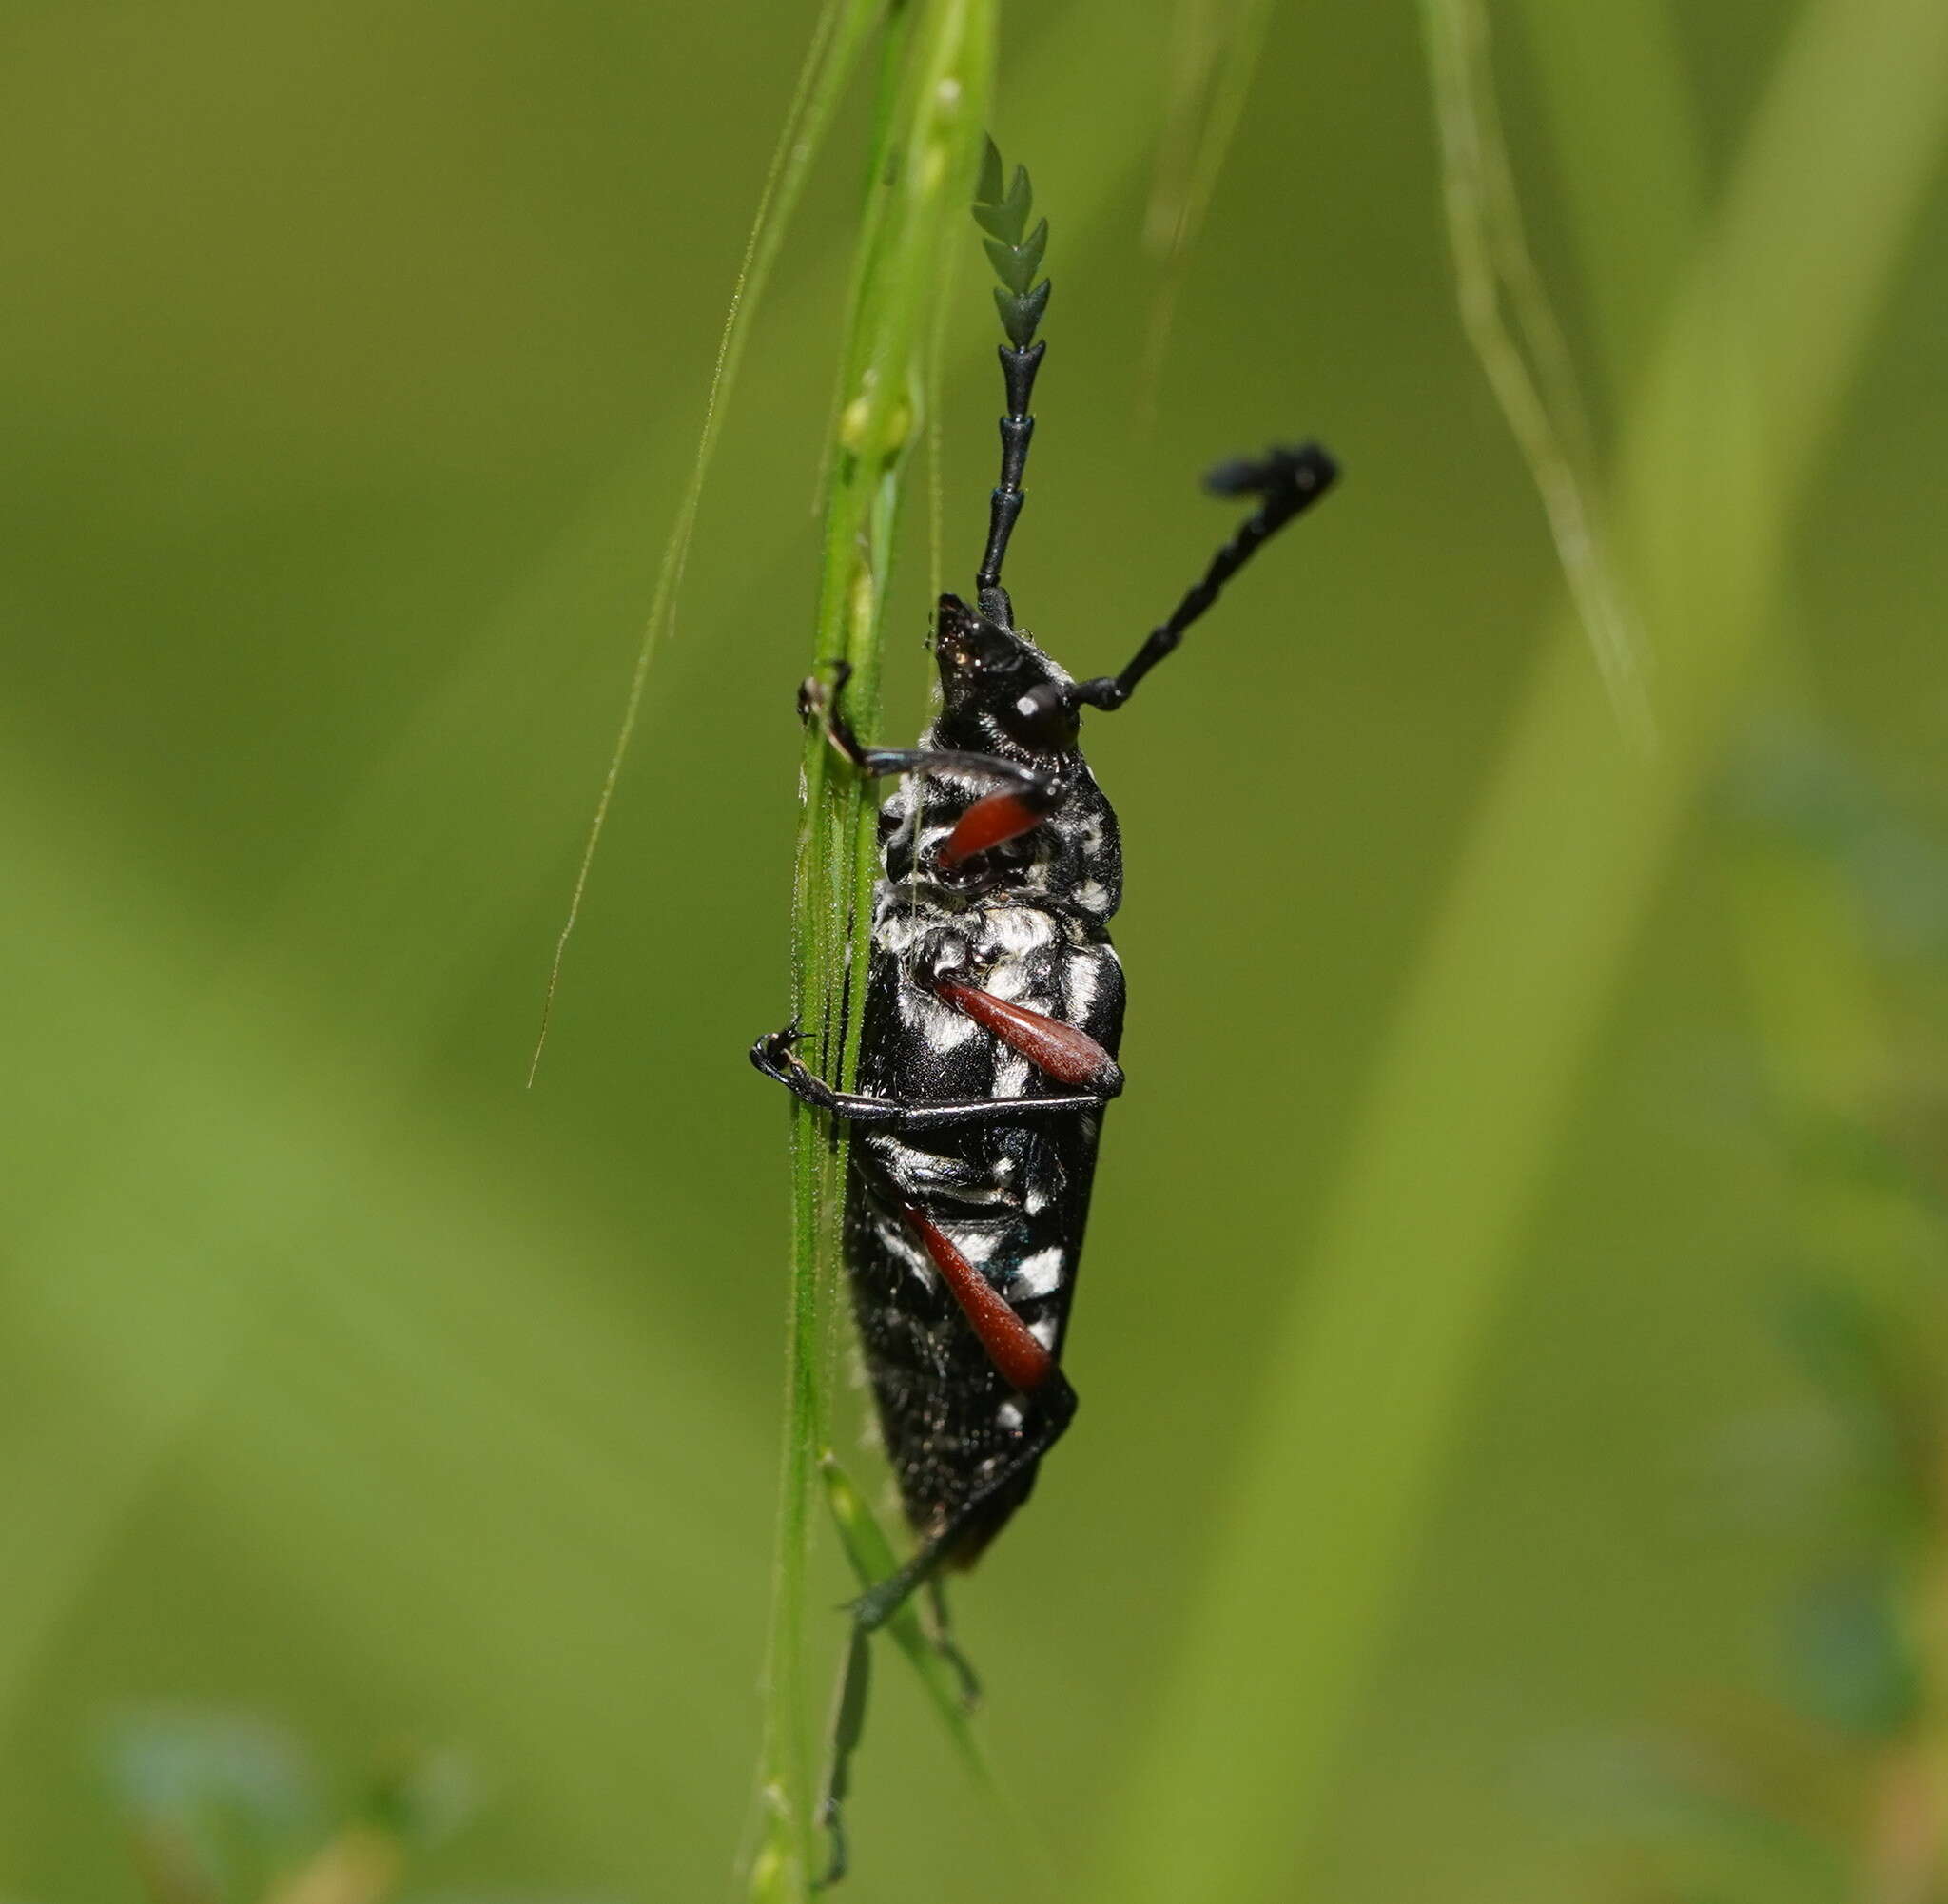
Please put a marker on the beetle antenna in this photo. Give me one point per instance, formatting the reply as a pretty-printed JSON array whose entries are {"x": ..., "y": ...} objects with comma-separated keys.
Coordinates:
[{"x": 1002, "y": 211}]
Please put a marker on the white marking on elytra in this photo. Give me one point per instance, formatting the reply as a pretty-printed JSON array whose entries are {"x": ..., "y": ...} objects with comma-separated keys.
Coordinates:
[
  {"x": 895, "y": 1240},
  {"x": 1039, "y": 1274},
  {"x": 1013, "y": 930},
  {"x": 943, "y": 1027},
  {"x": 1081, "y": 978},
  {"x": 977, "y": 1245},
  {"x": 1009, "y": 979},
  {"x": 1044, "y": 1332},
  {"x": 1009, "y": 1414},
  {"x": 1092, "y": 896}
]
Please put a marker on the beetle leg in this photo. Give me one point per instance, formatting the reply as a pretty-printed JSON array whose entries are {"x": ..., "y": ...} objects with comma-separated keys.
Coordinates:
[
  {"x": 773, "y": 1055},
  {"x": 848, "y": 1721},
  {"x": 1054, "y": 1408},
  {"x": 816, "y": 701},
  {"x": 945, "y": 1645},
  {"x": 1027, "y": 1365},
  {"x": 1064, "y": 1052},
  {"x": 1022, "y": 1360},
  {"x": 848, "y": 1724}
]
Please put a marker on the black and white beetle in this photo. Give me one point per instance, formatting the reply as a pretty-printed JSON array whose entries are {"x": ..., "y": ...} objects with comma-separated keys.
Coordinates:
[{"x": 993, "y": 1007}]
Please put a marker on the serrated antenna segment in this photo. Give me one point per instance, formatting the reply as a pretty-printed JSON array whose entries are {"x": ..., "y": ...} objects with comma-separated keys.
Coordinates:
[
  {"x": 1003, "y": 207},
  {"x": 988, "y": 191},
  {"x": 1015, "y": 251},
  {"x": 1016, "y": 264}
]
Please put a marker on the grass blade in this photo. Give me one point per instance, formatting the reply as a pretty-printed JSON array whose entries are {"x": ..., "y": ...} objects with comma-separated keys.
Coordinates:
[
  {"x": 1506, "y": 315},
  {"x": 836, "y": 43},
  {"x": 1628, "y": 163},
  {"x": 1214, "y": 57},
  {"x": 1371, "y": 1366}
]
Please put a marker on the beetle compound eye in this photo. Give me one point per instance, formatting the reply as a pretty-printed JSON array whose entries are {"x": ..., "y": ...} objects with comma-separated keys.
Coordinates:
[{"x": 1043, "y": 720}]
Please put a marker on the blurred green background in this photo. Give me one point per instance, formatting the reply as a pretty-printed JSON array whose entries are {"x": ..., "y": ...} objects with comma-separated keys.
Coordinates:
[{"x": 351, "y": 360}]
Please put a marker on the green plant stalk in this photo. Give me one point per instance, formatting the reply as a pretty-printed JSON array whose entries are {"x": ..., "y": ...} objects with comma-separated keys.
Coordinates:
[
  {"x": 1370, "y": 1368},
  {"x": 919, "y": 183}
]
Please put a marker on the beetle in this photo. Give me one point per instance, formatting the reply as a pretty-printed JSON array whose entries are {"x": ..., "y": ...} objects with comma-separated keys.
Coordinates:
[{"x": 992, "y": 1010}]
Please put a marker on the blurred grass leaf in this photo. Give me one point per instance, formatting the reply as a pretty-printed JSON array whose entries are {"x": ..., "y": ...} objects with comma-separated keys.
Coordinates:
[
  {"x": 1851, "y": 1663},
  {"x": 837, "y": 40},
  {"x": 1373, "y": 1360},
  {"x": 423, "y": 1798},
  {"x": 1508, "y": 319},
  {"x": 217, "y": 1802}
]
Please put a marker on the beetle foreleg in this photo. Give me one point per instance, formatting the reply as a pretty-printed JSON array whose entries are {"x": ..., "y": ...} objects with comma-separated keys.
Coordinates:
[{"x": 1040, "y": 790}]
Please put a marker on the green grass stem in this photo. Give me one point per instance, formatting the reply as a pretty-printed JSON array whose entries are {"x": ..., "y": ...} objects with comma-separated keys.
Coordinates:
[{"x": 930, "y": 115}]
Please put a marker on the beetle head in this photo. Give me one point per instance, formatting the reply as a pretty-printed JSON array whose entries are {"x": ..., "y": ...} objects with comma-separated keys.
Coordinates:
[{"x": 995, "y": 681}]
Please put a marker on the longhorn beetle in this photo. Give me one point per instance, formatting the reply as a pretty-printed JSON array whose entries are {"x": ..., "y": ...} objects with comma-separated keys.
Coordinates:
[{"x": 993, "y": 1011}]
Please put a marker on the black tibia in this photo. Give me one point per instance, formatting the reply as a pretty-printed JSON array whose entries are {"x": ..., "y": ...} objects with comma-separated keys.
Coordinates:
[
  {"x": 948, "y": 1648},
  {"x": 848, "y": 1724},
  {"x": 1290, "y": 481},
  {"x": 848, "y": 1721},
  {"x": 773, "y": 1055}
]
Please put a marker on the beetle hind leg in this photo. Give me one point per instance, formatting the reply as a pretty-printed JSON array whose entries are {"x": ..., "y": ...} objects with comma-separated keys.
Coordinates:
[
  {"x": 948, "y": 1648},
  {"x": 1054, "y": 1408}
]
